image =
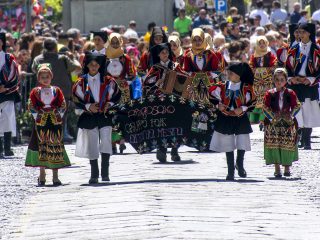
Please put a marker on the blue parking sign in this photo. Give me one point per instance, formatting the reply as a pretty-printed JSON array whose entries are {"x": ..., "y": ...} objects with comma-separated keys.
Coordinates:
[{"x": 221, "y": 6}]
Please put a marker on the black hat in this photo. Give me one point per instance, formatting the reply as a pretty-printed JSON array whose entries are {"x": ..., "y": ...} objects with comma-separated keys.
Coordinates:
[
  {"x": 94, "y": 56},
  {"x": 156, "y": 32},
  {"x": 243, "y": 70},
  {"x": 101, "y": 34},
  {"x": 310, "y": 28},
  {"x": 155, "y": 51},
  {"x": 292, "y": 28},
  {"x": 4, "y": 41}
]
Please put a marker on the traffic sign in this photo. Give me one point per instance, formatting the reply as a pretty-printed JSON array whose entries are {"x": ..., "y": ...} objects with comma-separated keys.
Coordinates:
[{"x": 221, "y": 6}]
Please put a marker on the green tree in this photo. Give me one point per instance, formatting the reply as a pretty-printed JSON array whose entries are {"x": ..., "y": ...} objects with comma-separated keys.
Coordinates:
[{"x": 56, "y": 5}]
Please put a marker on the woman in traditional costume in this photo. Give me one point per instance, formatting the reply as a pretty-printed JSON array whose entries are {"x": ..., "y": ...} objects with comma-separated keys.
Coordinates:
[
  {"x": 281, "y": 131},
  {"x": 47, "y": 105},
  {"x": 175, "y": 45},
  {"x": 262, "y": 63}
]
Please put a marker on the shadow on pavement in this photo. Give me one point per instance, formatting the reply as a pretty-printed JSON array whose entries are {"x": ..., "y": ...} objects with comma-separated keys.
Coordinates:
[
  {"x": 285, "y": 179},
  {"x": 171, "y": 181},
  {"x": 177, "y": 163}
]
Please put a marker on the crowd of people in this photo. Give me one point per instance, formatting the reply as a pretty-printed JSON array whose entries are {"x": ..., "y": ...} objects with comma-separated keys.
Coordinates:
[{"x": 255, "y": 69}]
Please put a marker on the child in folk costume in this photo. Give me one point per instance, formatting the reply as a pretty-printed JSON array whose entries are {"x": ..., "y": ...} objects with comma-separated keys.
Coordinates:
[
  {"x": 47, "y": 105},
  {"x": 162, "y": 59},
  {"x": 99, "y": 40},
  {"x": 262, "y": 63},
  {"x": 303, "y": 66},
  {"x": 93, "y": 94},
  {"x": 175, "y": 45},
  {"x": 120, "y": 67},
  {"x": 235, "y": 98},
  {"x": 158, "y": 36},
  {"x": 9, "y": 86},
  {"x": 280, "y": 107},
  {"x": 200, "y": 59}
]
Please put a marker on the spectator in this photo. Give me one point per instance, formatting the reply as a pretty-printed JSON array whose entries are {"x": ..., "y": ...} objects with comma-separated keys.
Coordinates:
[
  {"x": 257, "y": 20},
  {"x": 295, "y": 15},
  {"x": 75, "y": 34},
  {"x": 316, "y": 16},
  {"x": 259, "y": 11},
  {"x": 224, "y": 29},
  {"x": 233, "y": 12},
  {"x": 131, "y": 32},
  {"x": 234, "y": 32},
  {"x": 278, "y": 13},
  {"x": 178, "y": 5},
  {"x": 304, "y": 16},
  {"x": 147, "y": 36},
  {"x": 182, "y": 24},
  {"x": 201, "y": 19}
]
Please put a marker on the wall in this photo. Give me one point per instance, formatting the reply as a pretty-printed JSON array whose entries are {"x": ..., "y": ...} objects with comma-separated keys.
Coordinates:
[{"x": 93, "y": 14}]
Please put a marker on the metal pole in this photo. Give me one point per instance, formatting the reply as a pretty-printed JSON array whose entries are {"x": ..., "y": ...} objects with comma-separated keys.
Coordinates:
[{"x": 28, "y": 13}]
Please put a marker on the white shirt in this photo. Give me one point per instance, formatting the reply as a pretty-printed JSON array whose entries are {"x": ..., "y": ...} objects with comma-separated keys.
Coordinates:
[
  {"x": 2, "y": 59},
  {"x": 102, "y": 51},
  {"x": 179, "y": 4},
  {"x": 281, "y": 100},
  {"x": 94, "y": 84},
  {"x": 278, "y": 15},
  {"x": 263, "y": 14},
  {"x": 316, "y": 16},
  {"x": 200, "y": 62},
  {"x": 305, "y": 50}
]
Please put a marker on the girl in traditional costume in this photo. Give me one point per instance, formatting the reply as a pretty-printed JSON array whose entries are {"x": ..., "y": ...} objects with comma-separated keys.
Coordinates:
[
  {"x": 158, "y": 36},
  {"x": 262, "y": 63},
  {"x": 9, "y": 86},
  {"x": 47, "y": 105},
  {"x": 280, "y": 138},
  {"x": 303, "y": 66},
  {"x": 176, "y": 48},
  {"x": 234, "y": 98},
  {"x": 120, "y": 67},
  {"x": 93, "y": 95},
  {"x": 204, "y": 65}
]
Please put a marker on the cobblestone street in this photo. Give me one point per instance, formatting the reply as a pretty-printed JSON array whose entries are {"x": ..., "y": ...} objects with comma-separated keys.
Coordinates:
[{"x": 147, "y": 200}]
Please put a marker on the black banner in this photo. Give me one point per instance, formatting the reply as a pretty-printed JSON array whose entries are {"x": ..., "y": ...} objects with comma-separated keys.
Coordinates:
[{"x": 165, "y": 120}]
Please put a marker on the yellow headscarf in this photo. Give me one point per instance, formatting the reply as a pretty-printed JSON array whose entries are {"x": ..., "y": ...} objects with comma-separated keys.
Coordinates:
[
  {"x": 209, "y": 41},
  {"x": 114, "y": 52},
  {"x": 258, "y": 52},
  {"x": 178, "y": 52},
  {"x": 198, "y": 32}
]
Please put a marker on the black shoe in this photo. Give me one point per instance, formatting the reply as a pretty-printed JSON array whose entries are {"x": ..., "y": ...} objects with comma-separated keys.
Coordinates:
[
  {"x": 261, "y": 127},
  {"x": 105, "y": 179},
  {"x": 307, "y": 148},
  {"x": 230, "y": 177},
  {"x": 56, "y": 183},
  {"x": 1, "y": 155},
  {"x": 287, "y": 174},
  {"x": 241, "y": 172},
  {"x": 175, "y": 155},
  {"x": 277, "y": 175},
  {"x": 162, "y": 154},
  {"x": 93, "y": 180},
  {"x": 8, "y": 153},
  {"x": 41, "y": 183},
  {"x": 114, "y": 150},
  {"x": 122, "y": 147}
]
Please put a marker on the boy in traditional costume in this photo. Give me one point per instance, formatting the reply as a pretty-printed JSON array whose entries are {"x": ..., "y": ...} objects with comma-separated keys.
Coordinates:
[
  {"x": 281, "y": 105},
  {"x": 93, "y": 95},
  {"x": 9, "y": 86},
  {"x": 47, "y": 105},
  {"x": 99, "y": 40},
  {"x": 234, "y": 98},
  {"x": 303, "y": 66}
]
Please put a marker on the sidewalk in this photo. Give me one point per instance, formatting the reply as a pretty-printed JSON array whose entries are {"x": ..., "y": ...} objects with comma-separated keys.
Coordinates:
[{"x": 187, "y": 200}]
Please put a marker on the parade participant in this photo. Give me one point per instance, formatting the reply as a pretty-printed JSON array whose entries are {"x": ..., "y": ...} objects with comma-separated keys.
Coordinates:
[
  {"x": 99, "y": 40},
  {"x": 262, "y": 63},
  {"x": 158, "y": 36},
  {"x": 234, "y": 98},
  {"x": 280, "y": 108},
  {"x": 175, "y": 45},
  {"x": 294, "y": 34},
  {"x": 46, "y": 148},
  {"x": 303, "y": 66},
  {"x": 133, "y": 53},
  {"x": 93, "y": 95},
  {"x": 199, "y": 59},
  {"x": 9, "y": 86},
  {"x": 162, "y": 58},
  {"x": 119, "y": 66}
]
